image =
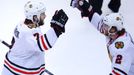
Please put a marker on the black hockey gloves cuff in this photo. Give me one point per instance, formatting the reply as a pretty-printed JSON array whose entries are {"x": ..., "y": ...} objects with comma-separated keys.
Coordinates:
[{"x": 58, "y": 21}]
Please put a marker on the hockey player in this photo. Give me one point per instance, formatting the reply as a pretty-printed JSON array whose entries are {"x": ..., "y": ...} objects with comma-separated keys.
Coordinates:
[
  {"x": 26, "y": 56},
  {"x": 119, "y": 42}
]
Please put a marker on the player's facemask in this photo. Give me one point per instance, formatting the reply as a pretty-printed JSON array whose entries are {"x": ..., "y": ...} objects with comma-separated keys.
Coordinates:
[
  {"x": 108, "y": 30},
  {"x": 39, "y": 21}
]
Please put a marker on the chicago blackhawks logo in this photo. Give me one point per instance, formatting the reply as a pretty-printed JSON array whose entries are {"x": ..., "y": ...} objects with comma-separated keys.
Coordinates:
[{"x": 119, "y": 45}]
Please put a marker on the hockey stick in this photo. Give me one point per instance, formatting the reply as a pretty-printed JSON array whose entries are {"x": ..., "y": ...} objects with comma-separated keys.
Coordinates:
[{"x": 6, "y": 44}]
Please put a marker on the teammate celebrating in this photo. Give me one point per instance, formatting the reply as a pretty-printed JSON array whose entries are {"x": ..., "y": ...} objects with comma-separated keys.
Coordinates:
[
  {"x": 119, "y": 42},
  {"x": 26, "y": 56}
]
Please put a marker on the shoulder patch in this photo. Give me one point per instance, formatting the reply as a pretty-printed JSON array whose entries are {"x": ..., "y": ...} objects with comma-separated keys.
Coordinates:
[{"x": 119, "y": 45}]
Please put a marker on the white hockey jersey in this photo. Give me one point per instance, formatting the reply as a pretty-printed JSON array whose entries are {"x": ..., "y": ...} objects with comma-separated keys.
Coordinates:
[
  {"x": 121, "y": 50},
  {"x": 26, "y": 57}
]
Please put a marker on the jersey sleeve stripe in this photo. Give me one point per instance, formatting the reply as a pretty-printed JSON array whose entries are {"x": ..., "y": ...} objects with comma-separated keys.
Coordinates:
[
  {"x": 121, "y": 71},
  {"x": 43, "y": 43},
  {"x": 38, "y": 42},
  {"x": 47, "y": 41}
]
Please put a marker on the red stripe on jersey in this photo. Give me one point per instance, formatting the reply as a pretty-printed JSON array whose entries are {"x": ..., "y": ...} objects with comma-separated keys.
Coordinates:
[
  {"x": 21, "y": 71},
  {"x": 116, "y": 73},
  {"x": 43, "y": 43}
]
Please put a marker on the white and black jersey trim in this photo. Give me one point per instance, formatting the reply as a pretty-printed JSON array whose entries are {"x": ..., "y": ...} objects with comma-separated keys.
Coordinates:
[
  {"x": 131, "y": 38},
  {"x": 10, "y": 70},
  {"x": 120, "y": 71},
  {"x": 20, "y": 70},
  {"x": 47, "y": 41},
  {"x": 99, "y": 25}
]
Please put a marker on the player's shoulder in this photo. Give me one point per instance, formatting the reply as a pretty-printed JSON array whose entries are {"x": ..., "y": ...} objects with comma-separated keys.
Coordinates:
[
  {"x": 21, "y": 26},
  {"x": 22, "y": 30},
  {"x": 122, "y": 42}
]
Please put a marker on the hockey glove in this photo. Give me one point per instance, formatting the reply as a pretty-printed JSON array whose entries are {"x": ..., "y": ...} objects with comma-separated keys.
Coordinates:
[
  {"x": 58, "y": 21},
  {"x": 83, "y": 6}
]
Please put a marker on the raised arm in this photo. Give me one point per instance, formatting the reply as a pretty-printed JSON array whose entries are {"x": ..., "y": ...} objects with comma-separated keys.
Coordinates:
[
  {"x": 58, "y": 22},
  {"x": 87, "y": 10}
]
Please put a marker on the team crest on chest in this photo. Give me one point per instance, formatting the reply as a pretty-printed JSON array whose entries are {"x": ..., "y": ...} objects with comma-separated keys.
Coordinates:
[{"x": 119, "y": 45}]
